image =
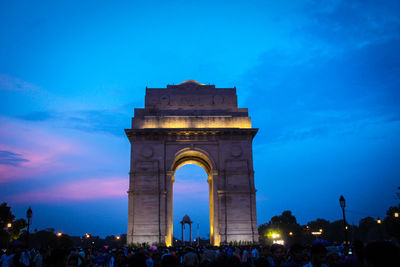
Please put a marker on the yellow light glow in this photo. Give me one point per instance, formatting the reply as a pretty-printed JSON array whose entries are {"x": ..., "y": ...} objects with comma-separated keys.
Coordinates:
[
  {"x": 193, "y": 122},
  {"x": 346, "y": 227},
  {"x": 379, "y": 221},
  {"x": 316, "y": 233},
  {"x": 290, "y": 233},
  {"x": 118, "y": 237},
  {"x": 9, "y": 225},
  {"x": 59, "y": 234},
  {"x": 276, "y": 236},
  {"x": 280, "y": 242},
  {"x": 320, "y": 230},
  {"x": 396, "y": 214},
  {"x": 87, "y": 235}
]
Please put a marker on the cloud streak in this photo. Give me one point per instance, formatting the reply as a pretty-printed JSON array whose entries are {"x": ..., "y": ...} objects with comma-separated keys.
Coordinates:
[
  {"x": 43, "y": 150},
  {"x": 90, "y": 189},
  {"x": 10, "y": 83},
  {"x": 10, "y": 158}
]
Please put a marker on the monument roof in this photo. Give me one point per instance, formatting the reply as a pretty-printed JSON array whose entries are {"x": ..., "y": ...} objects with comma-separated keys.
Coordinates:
[
  {"x": 186, "y": 219},
  {"x": 187, "y": 82}
]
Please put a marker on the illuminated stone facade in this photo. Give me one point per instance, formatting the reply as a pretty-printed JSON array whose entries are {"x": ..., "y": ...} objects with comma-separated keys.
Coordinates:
[{"x": 191, "y": 123}]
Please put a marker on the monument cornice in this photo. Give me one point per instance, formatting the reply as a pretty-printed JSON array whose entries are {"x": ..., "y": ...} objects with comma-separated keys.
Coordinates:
[{"x": 191, "y": 131}]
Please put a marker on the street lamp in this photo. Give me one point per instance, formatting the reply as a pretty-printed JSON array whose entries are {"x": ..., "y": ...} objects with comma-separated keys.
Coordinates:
[
  {"x": 59, "y": 234},
  {"x": 378, "y": 221},
  {"x": 29, "y": 217},
  {"x": 9, "y": 225},
  {"x": 396, "y": 215},
  {"x": 342, "y": 202}
]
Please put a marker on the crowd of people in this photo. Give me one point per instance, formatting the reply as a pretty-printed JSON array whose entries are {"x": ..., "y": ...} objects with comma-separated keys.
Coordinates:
[{"x": 375, "y": 254}]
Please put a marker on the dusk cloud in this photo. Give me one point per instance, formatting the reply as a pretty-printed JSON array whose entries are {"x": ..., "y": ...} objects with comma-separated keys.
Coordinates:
[
  {"x": 10, "y": 83},
  {"x": 10, "y": 158},
  {"x": 37, "y": 116},
  {"x": 89, "y": 189},
  {"x": 320, "y": 79}
]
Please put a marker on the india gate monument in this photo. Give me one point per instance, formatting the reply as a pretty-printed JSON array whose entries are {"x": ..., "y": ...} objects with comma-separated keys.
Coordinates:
[{"x": 191, "y": 123}]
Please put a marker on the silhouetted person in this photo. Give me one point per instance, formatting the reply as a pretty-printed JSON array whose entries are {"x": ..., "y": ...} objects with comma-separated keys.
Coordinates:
[
  {"x": 169, "y": 261},
  {"x": 381, "y": 254},
  {"x": 190, "y": 258},
  {"x": 138, "y": 260},
  {"x": 277, "y": 257},
  {"x": 318, "y": 256},
  {"x": 296, "y": 256}
]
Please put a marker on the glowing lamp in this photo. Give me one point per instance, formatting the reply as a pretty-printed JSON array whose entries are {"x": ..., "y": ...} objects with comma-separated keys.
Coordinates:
[
  {"x": 347, "y": 227},
  {"x": 118, "y": 237},
  {"x": 320, "y": 230},
  {"x": 9, "y": 225},
  {"x": 396, "y": 214},
  {"x": 59, "y": 234},
  {"x": 275, "y": 236},
  {"x": 87, "y": 235},
  {"x": 290, "y": 233},
  {"x": 379, "y": 221},
  {"x": 280, "y": 242}
]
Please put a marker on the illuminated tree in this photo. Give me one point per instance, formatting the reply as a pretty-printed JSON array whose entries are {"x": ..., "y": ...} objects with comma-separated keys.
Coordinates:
[{"x": 392, "y": 222}]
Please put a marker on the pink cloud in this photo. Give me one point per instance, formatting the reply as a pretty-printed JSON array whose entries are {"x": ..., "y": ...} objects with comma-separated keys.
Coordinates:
[
  {"x": 76, "y": 191},
  {"x": 41, "y": 148}
]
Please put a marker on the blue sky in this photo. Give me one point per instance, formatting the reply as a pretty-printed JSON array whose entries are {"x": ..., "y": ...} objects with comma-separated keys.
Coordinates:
[{"x": 320, "y": 79}]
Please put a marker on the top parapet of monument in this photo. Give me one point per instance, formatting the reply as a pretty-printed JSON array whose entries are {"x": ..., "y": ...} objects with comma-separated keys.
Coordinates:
[
  {"x": 191, "y": 95},
  {"x": 191, "y": 82}
]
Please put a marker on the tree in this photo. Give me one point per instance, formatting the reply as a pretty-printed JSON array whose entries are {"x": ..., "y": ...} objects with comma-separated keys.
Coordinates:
[
  {"x": 6, "y": 215},
  {"x": 285, "y": 225},
  {"x": 319, "y": 225},
  {"x": 12, "y": 232},
  {"x": 369, "y": 230},
  {"x": 392, "y": 223},
  {"x": 17, "y": 227}
]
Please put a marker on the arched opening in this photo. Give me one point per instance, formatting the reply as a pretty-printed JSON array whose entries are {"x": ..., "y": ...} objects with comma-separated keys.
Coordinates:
[
  {"x": 201, "y": 159},
  {"x": 191, "y": 193}
]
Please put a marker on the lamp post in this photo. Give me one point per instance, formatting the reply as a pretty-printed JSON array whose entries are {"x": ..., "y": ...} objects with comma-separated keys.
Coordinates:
[
  {"x": 342, "y": 202},
  {"x": 29, "y": 217}
]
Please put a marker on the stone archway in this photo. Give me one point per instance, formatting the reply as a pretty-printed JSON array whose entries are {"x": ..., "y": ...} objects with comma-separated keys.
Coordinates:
[
  {"x": 183, "y": 124},
  {"x": 201, "y": 158}
]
